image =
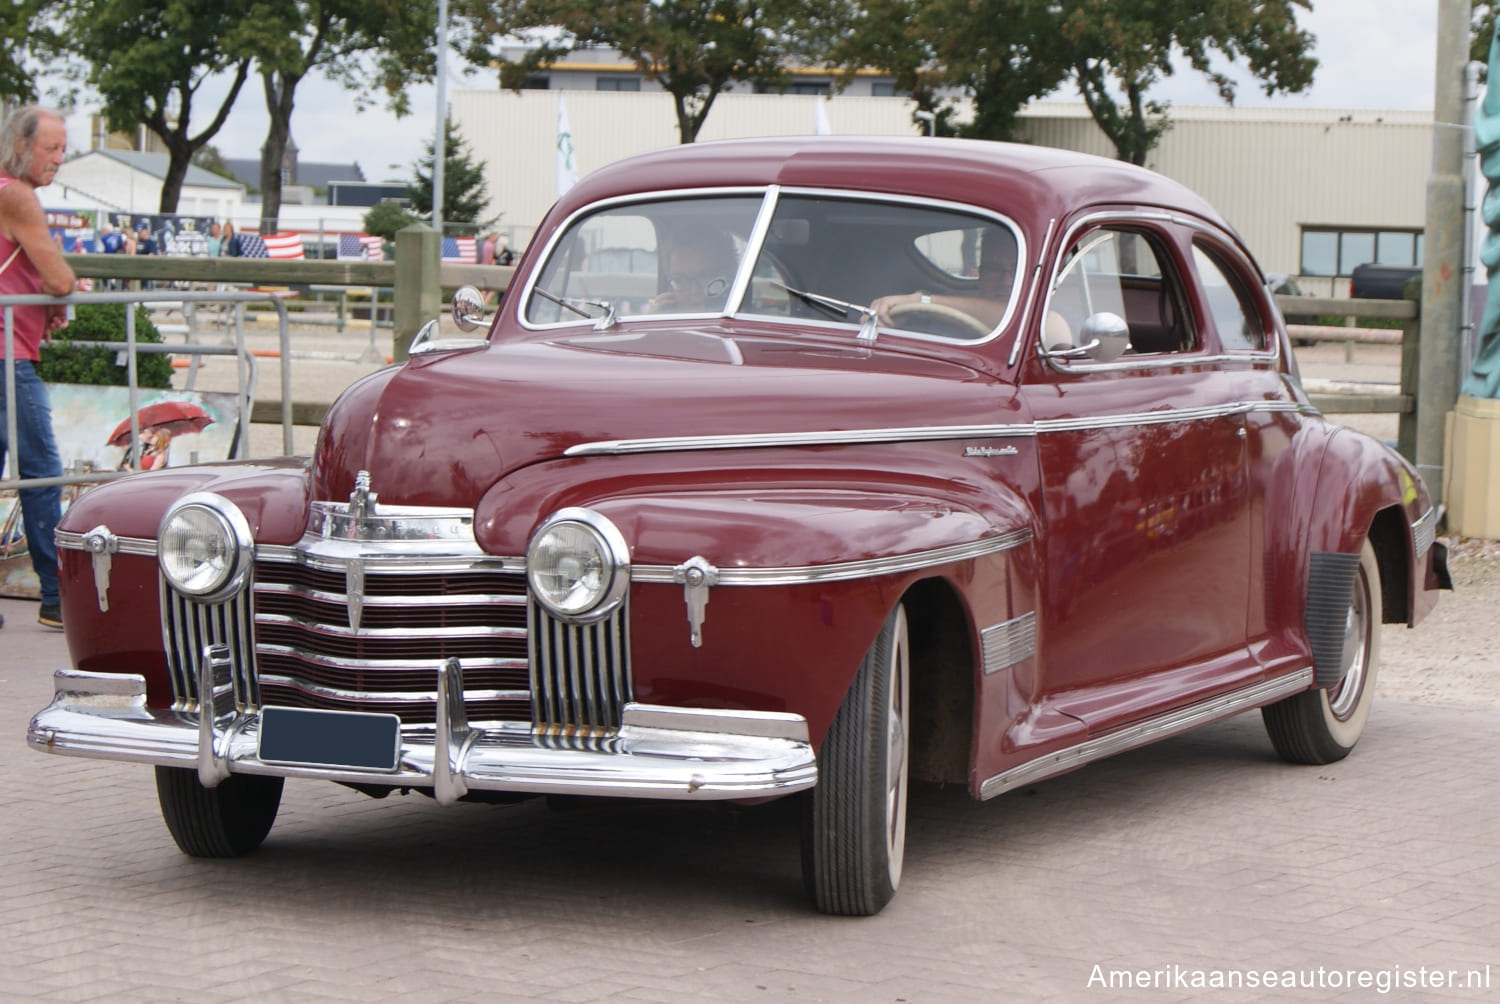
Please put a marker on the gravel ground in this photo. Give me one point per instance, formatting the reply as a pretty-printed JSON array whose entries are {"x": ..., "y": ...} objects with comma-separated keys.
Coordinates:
[{"x": 1450, "y": 658}]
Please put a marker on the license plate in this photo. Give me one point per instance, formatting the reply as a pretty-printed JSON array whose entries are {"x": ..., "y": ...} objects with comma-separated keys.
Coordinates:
[{"x": 351, "y": 740}]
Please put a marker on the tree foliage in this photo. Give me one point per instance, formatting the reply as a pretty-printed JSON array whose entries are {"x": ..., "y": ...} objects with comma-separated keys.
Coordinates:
[
  {"x": 26, "y": 35},
  {"x": 64, "y": 362},
  {"x": 999, "y": 53},
  {"x": 385, "y": 218},
  {"x": 465, "y": 191},
  {"x": 696, "y": 49},
  {"x": 364, "y": 45},
  {"x": 158, "y": 54},
  {"x": 1120, "y": 48},
  {"x": 1481, "y": 30}
]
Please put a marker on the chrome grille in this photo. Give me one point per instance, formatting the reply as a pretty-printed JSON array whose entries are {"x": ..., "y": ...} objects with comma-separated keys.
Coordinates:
[
  {"x": 190, "y": 627},
  {"x": 580, "y": 674},
  {"x": 294, "y": 642},
  {"x": 313, "y": 652}
]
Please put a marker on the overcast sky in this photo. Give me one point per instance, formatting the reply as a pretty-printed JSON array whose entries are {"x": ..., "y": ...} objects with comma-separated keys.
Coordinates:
[{"x": 1372, "y": 54}]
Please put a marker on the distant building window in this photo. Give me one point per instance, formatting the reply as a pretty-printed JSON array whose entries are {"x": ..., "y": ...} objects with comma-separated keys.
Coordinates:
[
  {"x": 617, "y": 84},
  {"x": 1336, "y": 252},
  {"x": 797, "y": 87},
  {"x": 886, "y": 89},
  {"x": 540, "y": 82}
]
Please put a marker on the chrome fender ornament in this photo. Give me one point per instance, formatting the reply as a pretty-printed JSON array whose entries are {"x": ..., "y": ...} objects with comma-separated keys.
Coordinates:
[{"x": 697, "y": 577}]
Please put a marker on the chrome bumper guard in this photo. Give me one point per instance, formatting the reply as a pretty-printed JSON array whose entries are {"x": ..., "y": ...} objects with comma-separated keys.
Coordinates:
[{"x": 658, "y": 752}]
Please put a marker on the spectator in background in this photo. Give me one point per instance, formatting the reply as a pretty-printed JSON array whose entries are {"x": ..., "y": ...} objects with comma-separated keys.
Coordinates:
[
  {"x": 215, "y": 240},
  {"x": 231, "y": 242},
  {"x": 32, "y": 142},
  {"x": 487, "y": 250},
  {"x": 144, "y": 242},
  {"x": 111, "y": 241},
  {"x": 503, "y": 255}
]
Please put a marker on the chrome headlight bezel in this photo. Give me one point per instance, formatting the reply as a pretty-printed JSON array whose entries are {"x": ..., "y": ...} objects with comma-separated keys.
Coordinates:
[
  {"x": 200, "y": 577},
  {"x": 600, "y": 577}
]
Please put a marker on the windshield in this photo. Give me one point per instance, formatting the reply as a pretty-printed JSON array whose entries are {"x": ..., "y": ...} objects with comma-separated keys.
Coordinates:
[{"x": 824, "y": 259}]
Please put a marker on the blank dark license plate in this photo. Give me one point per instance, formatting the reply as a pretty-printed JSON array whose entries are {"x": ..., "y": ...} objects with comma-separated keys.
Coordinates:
[{"x": 348, "y": 739}]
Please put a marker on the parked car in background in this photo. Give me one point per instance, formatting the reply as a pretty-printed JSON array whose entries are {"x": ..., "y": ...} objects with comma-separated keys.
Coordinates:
[
  {"x": 863, "y": 463},
  {"x": 1381, "y": 282}
]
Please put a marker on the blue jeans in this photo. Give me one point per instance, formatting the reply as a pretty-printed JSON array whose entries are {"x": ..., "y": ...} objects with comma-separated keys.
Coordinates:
[{"x": 41, "y": 508}]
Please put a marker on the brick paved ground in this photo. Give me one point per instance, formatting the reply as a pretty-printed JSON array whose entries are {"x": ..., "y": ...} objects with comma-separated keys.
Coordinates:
[{"x": 1203, "y": 852}]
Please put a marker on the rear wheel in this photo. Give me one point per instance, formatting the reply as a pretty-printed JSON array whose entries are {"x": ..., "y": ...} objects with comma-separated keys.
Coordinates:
[
  {"x": 1321, "y": 726},
  {"x": 854, "y": 820},
  {"x": 223, "y": 822}
]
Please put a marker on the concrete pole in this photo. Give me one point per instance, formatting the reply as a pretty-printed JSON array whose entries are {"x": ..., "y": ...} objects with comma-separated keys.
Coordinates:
[{"x": 1442, "y": 269}]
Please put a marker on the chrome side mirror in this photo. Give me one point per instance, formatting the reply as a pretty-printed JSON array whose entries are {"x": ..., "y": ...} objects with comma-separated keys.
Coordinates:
[
  {"x": 1105, "y": 337},
  {"x": 468, "y": 309}
]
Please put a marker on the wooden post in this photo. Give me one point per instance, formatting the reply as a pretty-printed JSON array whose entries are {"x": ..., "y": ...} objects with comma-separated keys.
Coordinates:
[
  {"x": 1411, "y": 371},
  {"x": 418, "y": 289}
]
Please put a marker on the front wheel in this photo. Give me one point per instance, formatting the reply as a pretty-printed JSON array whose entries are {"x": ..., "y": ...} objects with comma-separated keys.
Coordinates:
[
  {"x": 854, "y": 819},
  {"x": 223, "y": 822},
  {"x": 1321, "y": 726}
]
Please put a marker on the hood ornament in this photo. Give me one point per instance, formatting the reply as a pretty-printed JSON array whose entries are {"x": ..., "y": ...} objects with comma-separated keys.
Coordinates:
[{"x": 362, "y": 500}]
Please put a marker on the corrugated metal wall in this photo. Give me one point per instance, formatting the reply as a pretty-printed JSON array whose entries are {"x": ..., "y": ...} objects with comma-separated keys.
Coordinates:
[{"x": 1270, "y": 171}]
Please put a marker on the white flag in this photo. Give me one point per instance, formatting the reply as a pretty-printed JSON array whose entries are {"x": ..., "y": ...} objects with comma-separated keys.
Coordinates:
[
  {"x": 820, "y": 118},
  {"x": 567, "y": 168}
]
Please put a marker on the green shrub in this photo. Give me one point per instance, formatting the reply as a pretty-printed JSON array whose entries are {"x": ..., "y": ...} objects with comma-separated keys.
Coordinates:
[{"x": 63, "y": 362}]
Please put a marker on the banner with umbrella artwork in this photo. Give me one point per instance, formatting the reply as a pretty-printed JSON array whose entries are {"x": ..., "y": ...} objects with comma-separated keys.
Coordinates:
[{"x": 93, "y": 430}]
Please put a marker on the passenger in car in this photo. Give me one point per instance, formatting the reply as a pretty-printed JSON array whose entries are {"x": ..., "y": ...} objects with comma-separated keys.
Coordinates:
[{"x": 696, "y": 267}]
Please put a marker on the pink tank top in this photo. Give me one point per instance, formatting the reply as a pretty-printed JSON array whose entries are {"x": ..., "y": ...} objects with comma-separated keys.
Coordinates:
[{"x": 21, "y": 276}]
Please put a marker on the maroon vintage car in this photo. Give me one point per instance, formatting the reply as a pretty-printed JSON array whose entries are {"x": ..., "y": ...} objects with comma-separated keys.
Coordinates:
[{"x": 804, "y": 467}]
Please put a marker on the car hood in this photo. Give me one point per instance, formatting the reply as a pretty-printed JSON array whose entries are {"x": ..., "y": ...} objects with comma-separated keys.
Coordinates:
[{"x": 443, "y": 428}]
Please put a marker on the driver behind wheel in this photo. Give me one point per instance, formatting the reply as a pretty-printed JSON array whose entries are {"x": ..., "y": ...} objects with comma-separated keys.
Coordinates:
[
  {"x": 697, "y": 266},
  {"x": 993, "y": 284}
]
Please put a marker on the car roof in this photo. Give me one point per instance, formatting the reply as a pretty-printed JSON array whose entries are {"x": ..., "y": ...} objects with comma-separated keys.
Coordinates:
[{"x": 1029, "y": 183}]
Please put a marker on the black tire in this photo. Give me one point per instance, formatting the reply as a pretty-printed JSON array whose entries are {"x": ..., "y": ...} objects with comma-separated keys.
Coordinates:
[
  {"x": 1321, "y": 726},
  {"x": 854, "y": 819},
  {"x": 222, "y": 822}
]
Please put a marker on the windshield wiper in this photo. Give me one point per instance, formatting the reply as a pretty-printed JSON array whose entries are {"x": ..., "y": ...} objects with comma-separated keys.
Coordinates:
[
  {"x": 838, "y": 309},
  {"x": 603, "y": 323}
]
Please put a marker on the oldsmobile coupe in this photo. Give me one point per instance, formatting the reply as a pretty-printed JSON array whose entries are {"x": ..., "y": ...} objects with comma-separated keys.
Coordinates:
[{"x": 808, "y": 468}]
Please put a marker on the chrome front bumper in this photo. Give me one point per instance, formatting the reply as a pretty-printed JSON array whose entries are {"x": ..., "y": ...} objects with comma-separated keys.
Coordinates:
[{"x": 658, "y": 752}]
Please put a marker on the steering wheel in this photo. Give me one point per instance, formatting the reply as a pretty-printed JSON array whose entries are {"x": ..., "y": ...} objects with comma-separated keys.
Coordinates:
[{"x": 940, "y": 319}]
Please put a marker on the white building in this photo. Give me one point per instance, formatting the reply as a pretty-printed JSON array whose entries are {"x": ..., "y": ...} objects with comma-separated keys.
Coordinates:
[
  {"x": 1313, "y": 192},
  {"x": 127, "y": 181}
]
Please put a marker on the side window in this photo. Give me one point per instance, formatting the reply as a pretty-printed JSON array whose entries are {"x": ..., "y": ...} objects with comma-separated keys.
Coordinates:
[
  {"x": 1234, "y": 313},
  {"x": 1121, "y": 272}
]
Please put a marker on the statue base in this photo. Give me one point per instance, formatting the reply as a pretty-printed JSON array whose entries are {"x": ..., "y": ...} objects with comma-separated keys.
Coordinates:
[{"x": 1471, "y": 488}]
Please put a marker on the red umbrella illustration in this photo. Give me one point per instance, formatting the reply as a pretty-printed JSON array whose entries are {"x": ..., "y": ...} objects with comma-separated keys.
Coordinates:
[{"x": 159, "y": 422}]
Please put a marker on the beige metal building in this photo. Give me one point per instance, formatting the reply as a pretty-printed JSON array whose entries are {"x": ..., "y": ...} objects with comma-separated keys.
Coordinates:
[{"x": 1313, "y": 192}]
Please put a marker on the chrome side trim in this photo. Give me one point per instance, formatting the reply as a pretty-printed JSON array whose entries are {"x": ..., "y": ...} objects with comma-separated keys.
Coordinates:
[
  {"x": 1149, "y": 731},
  {"x": 910, "y": 434},
  {"x": 828, "y": 437},
  {"x": 142, "y": 546},
  {"x": 1424, "y": 532},
  {"x": 1008, "y": 642},
  {"x": 843, "y": 571}
]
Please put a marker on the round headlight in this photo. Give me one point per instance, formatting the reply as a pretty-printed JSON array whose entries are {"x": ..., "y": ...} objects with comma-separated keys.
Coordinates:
[
  {"x": 204, "y": 546},
  {"x": 578, "y": 565}
]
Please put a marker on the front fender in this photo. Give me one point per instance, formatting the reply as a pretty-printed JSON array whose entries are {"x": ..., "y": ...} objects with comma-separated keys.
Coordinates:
[
  {"x": 113, "y": 610},
  {"x": 806, "y": 573}
]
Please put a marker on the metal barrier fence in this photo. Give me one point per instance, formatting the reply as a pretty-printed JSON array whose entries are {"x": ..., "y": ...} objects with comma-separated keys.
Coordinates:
[{"x": 245, "y": 370}]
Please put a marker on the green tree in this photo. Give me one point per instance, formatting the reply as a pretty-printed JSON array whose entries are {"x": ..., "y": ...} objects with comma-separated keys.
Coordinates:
[
  {"x": 1481, "y": 32},
  {"x": 1120, "y": 48},
  {"x": 465, "y": 192},
  {"x": 999, "y": 53},
  {"x": 26, "y": 34},
  {"x": 156, "y": 56},
  {"x": 385, "y": 218},
  {"x": 364, "y": 45},
  {"x": 695, "y": 50},
  {"x": 210, "y": 159}
]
